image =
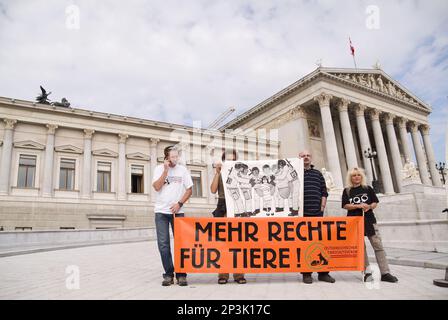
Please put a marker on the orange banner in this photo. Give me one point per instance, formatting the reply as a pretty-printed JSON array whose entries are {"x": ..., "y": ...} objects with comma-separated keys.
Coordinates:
[{"x": 254, "y": 245}]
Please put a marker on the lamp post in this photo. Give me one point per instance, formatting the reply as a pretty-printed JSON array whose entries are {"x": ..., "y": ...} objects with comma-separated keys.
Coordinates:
[
  {"x": 371, "y": 154},
  {"x": 441, "y": 167}
]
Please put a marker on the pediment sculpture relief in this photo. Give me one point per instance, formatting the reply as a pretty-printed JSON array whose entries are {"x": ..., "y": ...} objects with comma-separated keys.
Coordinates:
[{"x": 379, "y": 83}]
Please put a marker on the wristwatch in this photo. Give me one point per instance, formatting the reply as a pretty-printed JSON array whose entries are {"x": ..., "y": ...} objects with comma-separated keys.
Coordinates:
[{"x": 180, "y": 204}]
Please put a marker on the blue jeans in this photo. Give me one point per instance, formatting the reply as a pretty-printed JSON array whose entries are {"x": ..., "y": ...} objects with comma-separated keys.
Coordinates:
[{"x": 163, "y": 222}]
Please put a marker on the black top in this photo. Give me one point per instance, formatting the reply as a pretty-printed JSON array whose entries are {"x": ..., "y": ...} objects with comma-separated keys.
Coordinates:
[
  {"x": 360, "y": 195},
  {"x": 314, "y": 188}
]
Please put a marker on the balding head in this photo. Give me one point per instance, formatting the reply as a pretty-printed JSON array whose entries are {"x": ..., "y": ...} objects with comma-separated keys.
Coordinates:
[{"x": 306, "y": 156}]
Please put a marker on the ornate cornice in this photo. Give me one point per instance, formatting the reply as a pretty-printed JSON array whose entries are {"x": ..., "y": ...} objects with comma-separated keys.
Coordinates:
[
  {"x": 29, "y": 144},
  {"x": 138, "y": 156}
]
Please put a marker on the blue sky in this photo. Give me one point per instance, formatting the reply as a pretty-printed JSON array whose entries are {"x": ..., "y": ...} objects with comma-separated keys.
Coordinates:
[{"x": 181, "y": 61}]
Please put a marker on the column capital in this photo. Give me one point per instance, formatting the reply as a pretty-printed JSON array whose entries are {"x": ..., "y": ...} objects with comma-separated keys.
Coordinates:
[
  {"x": 51, "y": 128},
  {"x": 360, "y": 109},
  {"x": 401, "y": 122},
  {"x": 154, "y": 141},
  {"x": 374, "y": 114},
  {"x": 413, "y": 126},
  {"x": 323, "y": 99},
  {"x": 88, "y": 133},
  {"x": 389, "y": 117},
  {"x": 297, "y": 112},
  {"x": 122, "y": 137},
  {"x": 10, "y": 123},
  {"x": 425, "y": 129},
  {"x": 343, "y": 104}
]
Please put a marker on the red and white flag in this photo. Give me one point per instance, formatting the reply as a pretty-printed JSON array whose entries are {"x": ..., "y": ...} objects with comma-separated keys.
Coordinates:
[{"x": 352, "y": 48}]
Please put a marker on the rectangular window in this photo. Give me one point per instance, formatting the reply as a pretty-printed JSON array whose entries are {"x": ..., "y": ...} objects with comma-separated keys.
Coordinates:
[
  {"x": 103, "y": 176},
  {"x": 27, "y": 171},
  {"x": 67, "y": 174},
  {"x": 136, "y": 179},
  {"x": 197, "y": 184}
]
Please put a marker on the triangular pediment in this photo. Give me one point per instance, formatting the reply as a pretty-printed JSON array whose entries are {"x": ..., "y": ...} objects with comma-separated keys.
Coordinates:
[
  {"x": 68, "y": 149},
  {"x": 379, "y": 82},
  {"x": 373, "y": 81},
  {"x": 137, "y": 156},
  {"x": 196, "y": 162},
  {"x": 105, "y": 153},
  {"x": 29, "y": 144}
]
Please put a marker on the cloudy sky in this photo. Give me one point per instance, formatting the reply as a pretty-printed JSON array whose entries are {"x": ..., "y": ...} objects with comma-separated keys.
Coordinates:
[{"x": 182, "y": 61}]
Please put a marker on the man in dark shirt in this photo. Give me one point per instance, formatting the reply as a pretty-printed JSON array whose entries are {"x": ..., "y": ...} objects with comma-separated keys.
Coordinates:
[{"x": 314, "y": 201}]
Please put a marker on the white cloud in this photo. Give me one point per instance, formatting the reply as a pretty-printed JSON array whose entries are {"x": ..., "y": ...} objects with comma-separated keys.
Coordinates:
[{"x": 183, "y": 60}]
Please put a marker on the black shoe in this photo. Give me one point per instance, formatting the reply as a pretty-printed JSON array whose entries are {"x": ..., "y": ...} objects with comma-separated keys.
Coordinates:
[
  {"x": 307, "y": 278},
  {"x": 290, "y": 209},
  {"x": 326, "y": 278},
  {"x": 293, "y": 213},
  {"x": 278, "y": 209},
  {"x": 257, "y": 211},
  {"x": 182, "y": 281},
  {"x": 389, "y": 278},
  {"x": 167, "y": 281}
]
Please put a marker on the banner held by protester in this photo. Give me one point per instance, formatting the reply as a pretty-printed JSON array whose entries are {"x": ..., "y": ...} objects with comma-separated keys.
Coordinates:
[{"x": 251, "y": 245}]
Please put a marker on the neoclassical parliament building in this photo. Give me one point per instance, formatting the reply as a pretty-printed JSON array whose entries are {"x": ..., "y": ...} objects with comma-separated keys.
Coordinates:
[{"x": 71, "y": 168}]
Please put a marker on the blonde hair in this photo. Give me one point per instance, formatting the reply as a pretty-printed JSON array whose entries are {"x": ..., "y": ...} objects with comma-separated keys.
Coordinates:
[{"x": 351, "y": 172}]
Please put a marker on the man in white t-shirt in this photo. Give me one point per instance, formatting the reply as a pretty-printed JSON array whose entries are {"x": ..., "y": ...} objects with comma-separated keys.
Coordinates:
[{"x": 173, "y": 185}]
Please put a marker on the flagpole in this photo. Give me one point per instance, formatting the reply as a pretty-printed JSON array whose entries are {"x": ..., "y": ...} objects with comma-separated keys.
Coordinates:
[{"x": 352, "y": 50}]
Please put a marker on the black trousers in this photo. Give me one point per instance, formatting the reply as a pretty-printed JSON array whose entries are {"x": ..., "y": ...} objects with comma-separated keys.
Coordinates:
[{"x": 320, "y": 214}]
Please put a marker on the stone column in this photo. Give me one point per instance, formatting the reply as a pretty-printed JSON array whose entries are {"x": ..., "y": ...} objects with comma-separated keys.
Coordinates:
[
  {"x": 395, "y": 151},
  {"x": 86, "y": 190},
  {"x": 364, "y": 140},
  {"x": 419, "y": 154},
  {"x": 382, "y": 153},
  {"x": 153, "y": 161},
  {"x": 430, "y": 155},
  {"x": 47, "y": 188},
  {"x": 5, "y": 165},
  {"x": 330, "y": 140},
  {"x": 210, "y": 173},
  {"x": 303, "y": 130},
  {"x": 122, "y": 193},
  {"x": 349, "y": 145},
  {"x": 404, "y": 139}
]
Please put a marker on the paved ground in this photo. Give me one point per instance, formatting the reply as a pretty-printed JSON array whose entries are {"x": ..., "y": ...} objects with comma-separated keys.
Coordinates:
[{"x": 133, "y": 271}]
